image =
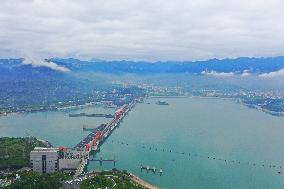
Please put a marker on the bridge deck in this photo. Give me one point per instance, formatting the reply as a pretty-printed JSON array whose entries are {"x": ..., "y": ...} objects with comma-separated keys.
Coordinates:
[
  {"x": 90, "y": 137},
  {"x": 106, "y": 130}
]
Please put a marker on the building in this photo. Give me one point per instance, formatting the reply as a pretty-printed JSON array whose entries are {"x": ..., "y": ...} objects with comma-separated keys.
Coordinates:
[
  {"x": 44, "y": 160},
  {"x": 70, "y": 160}
]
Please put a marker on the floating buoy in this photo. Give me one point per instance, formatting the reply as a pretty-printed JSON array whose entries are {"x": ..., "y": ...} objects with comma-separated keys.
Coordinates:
[{"x": 199, "y": 156}]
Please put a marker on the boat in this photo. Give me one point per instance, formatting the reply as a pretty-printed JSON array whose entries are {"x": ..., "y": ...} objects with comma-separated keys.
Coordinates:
[
  {"x": 77, "y": 115},
  {"x": 109, "y": 116},
  {"x": 91, "y": 115},
  {"x": 162, "y": 103}
]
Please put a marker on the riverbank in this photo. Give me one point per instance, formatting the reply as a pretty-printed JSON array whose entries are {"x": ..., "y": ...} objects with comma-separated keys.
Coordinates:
[
  {"x": 61, "y": 108},
  {"x": 141, "y": 182},
  {"x": 108, "y": 179}
]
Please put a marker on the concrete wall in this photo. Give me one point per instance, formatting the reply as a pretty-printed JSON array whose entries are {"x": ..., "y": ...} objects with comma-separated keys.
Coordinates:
[
  {"x": 69, "y": 163},
  {"x": 50, "y": 164}
]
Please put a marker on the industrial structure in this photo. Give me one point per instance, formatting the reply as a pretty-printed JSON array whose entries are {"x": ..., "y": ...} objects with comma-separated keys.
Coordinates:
[{"x": 46, "y": 160}]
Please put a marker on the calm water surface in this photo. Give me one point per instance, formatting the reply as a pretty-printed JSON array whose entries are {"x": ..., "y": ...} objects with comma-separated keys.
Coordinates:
[
  {"x": 54, "y": 126},
  {"x": 178, "y": 138}
]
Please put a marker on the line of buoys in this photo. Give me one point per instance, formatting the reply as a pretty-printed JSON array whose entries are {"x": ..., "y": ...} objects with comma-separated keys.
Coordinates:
[{"x": 206, "y": 157}]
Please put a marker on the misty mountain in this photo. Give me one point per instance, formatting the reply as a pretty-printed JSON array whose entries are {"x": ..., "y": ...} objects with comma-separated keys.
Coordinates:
[
  {"x": 15, "y": 68},
  {"x": 254, "y": 65},
  {"x": 26, "y": 85}
]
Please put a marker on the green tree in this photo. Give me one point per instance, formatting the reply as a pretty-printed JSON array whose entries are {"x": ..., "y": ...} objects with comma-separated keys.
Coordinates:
[{"x": 33, "y": 180}]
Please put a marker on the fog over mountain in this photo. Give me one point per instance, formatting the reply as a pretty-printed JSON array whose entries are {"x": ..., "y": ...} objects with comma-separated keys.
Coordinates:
[{"x": 244, "y": 67}]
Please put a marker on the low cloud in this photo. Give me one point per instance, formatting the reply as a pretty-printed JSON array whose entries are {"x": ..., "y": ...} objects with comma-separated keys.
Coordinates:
[
  {"x": 273, "y": 74},
  {"x": 245, "y": 73},
  {"x": 218, "y": 74},
  {"x": 44, "y": 63},
  {"x": 142, "y": 30}
]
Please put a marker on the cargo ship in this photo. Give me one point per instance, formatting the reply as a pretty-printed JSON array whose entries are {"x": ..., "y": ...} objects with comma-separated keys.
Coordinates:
[
  {"x": 91, "y": 115},
  {"x": 77, "y": 115},
  {"x": 162, "y": 103}
]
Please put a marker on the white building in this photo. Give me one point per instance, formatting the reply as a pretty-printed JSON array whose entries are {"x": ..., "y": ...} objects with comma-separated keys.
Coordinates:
[{"x": 44, "y": 160}]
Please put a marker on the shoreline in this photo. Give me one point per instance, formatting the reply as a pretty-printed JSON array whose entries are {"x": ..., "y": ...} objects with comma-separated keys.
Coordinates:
[
  {"x": 74, "y": 107},
  {"x": 142, "y": 182},
  {"x": 67, "y": 108}
]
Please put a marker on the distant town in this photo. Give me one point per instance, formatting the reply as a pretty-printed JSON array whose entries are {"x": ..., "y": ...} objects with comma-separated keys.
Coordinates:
[{"x": 271, "y": 102}]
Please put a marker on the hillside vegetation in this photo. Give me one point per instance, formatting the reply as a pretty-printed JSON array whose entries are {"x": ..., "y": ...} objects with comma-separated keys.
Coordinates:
[{"x": 15, "y": 152}]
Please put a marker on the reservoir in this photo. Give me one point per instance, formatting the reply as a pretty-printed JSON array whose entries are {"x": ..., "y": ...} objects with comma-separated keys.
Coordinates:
[
  {"x": 199, "y": 143},
  {"x": 54, "y": 126}
]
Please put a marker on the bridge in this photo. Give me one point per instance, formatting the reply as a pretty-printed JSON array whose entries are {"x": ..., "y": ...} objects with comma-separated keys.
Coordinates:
[
  {"x": 101, "y": 160},
  {"x": 88, "y": 139},
  {"x": 81, "y": 167},
  {"x": 98, "y": 135}
]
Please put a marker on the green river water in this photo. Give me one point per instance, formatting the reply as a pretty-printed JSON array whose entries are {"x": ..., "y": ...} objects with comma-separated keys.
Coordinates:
[{"x": 199, "y": 143}]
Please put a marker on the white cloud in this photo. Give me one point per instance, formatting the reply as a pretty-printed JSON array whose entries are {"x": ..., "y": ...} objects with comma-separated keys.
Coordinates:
[
  {"x": 43, "y": 63},
  {"x": 245, "y": 73},
  {"x": 218, "y": 74},
  {"x": 278, "y": 73},
  {"x": 136, "y": 29}
]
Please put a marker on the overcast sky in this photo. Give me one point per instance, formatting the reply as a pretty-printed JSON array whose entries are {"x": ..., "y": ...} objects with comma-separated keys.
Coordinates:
[{"x": 146, "y": 29}]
